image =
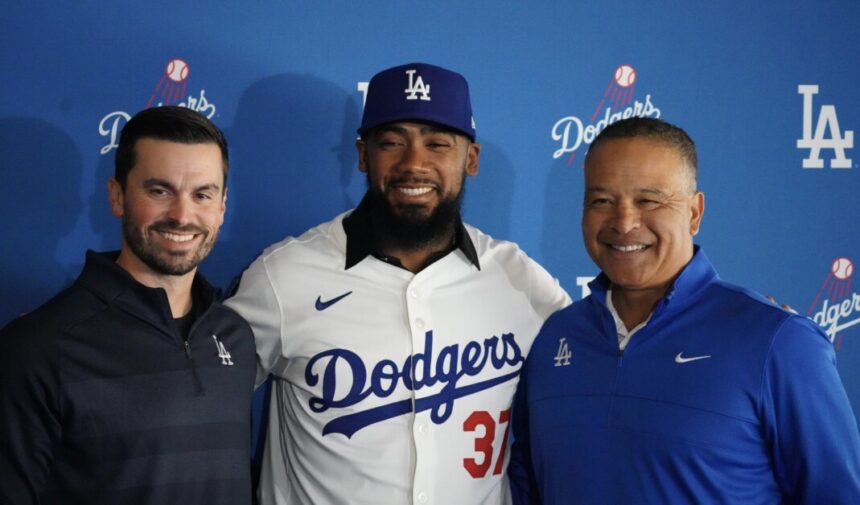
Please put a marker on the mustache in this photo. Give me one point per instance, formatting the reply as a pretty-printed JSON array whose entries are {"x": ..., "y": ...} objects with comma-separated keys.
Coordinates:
[
  {"x": 411, "y": 179},
  {"x": 173, "y": 227}
]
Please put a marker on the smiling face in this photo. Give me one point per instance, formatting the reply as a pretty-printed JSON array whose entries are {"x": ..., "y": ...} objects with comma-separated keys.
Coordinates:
[
  {"x": 640, "y": 213},
  {"x": 417, "y": 171},
  {"x": 171, "y": 208}
]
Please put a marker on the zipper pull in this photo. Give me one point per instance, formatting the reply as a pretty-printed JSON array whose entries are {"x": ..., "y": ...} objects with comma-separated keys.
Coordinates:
[{"x": 187, "y": 350}]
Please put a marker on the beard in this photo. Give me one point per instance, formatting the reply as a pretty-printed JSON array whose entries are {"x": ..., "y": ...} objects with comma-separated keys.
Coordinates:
[
  {"x": 411, "y": 227},
  {"x": 162, "y": 261}
]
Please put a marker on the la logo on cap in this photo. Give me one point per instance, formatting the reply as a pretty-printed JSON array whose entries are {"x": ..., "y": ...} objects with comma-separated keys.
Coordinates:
[{"x": 416, "y": 86}]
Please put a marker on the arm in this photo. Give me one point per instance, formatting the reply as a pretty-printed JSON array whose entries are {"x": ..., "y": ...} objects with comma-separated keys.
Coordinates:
[
  {"x": 30, "y": 420},
  {"x": 547, "y": 295},
  {"x": 520, "y": 470},
  {"x": 256, "y": 302},
  {"x": 808, "y": 420}
]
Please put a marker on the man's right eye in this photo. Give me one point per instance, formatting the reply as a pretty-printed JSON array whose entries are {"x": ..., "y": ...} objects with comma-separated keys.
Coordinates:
[{"x": 389, "y": 144}]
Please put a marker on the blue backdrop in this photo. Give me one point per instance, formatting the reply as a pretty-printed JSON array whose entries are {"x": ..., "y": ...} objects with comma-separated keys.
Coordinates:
[{"x": 768, "y": 91}]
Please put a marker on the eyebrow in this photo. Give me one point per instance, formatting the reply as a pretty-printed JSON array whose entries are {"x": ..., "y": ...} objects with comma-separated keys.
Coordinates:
[
  {"x": 424, "y": 130},
  {"x": 153, "y": 181},
  {"x": 650, "y": 191},
  {"x": 596, "y": 189},
  {"x": 654, "y": 191}
]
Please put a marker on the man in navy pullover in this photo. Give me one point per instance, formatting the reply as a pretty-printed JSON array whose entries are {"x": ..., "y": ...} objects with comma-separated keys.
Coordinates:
[
  {"x": 667, "y": 384},
  {"x": 133, "y": 385}
]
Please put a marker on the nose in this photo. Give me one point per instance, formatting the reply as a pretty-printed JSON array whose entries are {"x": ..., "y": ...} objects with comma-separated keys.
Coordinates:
[
  {"x": 625, "y": 218},
  {"x": 413, "y": 158},
  {"x": 179, "y": 211}
]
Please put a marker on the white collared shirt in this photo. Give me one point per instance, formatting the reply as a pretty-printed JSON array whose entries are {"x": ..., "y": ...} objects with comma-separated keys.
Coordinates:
[{"x": 623, "y": 334}]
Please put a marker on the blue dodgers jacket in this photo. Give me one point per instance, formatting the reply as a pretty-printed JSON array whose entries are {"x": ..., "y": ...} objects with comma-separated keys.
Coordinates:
[{"x": 721, "y": 398}]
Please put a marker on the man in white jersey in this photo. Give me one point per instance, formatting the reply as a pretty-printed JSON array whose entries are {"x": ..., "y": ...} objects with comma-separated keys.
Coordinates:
[{"x": 395, "y": 333}]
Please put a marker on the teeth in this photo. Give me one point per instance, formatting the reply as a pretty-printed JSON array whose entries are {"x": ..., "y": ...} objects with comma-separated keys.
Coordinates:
[
  {"x": 414, "y": 191},
  {"x": 629, "y": 248},
  {"x": 176, "y": 238}
]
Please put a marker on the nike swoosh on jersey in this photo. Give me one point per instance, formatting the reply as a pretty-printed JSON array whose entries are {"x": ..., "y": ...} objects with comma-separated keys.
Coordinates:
[
  {"x": 682, "y": 359},
  {"x": 322, "y": 305}
]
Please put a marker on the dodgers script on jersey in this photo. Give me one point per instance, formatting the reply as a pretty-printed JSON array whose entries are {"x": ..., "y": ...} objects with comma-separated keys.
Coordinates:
[{"x": 391, "y": 387}]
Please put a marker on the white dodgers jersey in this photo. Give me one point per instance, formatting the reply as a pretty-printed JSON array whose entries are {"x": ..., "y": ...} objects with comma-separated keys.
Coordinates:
[{"x": 391, "y": 387}]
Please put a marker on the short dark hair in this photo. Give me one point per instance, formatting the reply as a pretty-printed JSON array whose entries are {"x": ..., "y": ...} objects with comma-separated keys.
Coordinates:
[
  {"x": 655, "y": 129},
  {"x": 169, "y": 122}
]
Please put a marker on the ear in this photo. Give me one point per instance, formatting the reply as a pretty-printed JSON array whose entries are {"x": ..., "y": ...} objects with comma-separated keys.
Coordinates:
[
  {"x": 116, "y": 197},
  {"x": 472, "y": 159},
  {"x": 361, "y": 148},
  {"x": 697, "y": 208}
]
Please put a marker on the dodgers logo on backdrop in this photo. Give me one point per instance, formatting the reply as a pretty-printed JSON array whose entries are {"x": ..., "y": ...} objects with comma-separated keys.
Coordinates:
[
  {"x": 827, "y": 134},
  {"x": 836, "y": 307},
  {"x": 616, "y": 103},
  {"x": 345, "y": 380},
  {"x": 169, "y": 90}
]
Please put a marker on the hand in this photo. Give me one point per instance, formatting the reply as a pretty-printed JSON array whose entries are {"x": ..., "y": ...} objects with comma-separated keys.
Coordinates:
[{"x": 785, "y": 306}]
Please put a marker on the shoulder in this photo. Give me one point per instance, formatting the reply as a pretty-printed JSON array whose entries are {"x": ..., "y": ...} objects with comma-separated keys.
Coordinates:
[
  {"x": 325, "y": 242},
  {"x": 33, "y": 344},
  {"x": 493, "y": 247},
  {"x": 799, "y": 341},
  {"x": 326, "y": 238},
  {"x": 54, "y": 318},
  {"x": 579, "y": 314},
  {"x": 745, "y": 306},
  {"x": 503, "y": 254},
  {"x": 506, "y": 259},
  {"x": 286, "y": 265},
  {"x": 227, "y": 317},
  {"x": 759, "y": 322}
]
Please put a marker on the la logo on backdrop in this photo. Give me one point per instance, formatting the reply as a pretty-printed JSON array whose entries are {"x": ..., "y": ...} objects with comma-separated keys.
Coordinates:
[
  {"x": 836, "y": 307},
  {"x": 827, "y": 134},
  {"x": 170, "y": 89},
  {"x": 617, "y": 103}
]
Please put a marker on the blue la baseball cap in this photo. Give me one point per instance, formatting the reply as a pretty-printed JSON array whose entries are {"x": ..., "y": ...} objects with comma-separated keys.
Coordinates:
[{"x": 419, "y": 92}]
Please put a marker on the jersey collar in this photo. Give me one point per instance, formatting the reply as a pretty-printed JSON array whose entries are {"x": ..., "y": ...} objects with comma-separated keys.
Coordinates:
[
  {"x": 685, "y": 290},
  {"x": 360, "y": 242},
  {"x": 111, "y": 283}
]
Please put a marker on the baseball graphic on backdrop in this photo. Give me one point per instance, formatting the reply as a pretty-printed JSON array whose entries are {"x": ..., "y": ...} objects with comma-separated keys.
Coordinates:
[
  {"x": 625, "y": 76},
  {"x": 177, "y": 70},
  {"x": 842, "y": 268}
]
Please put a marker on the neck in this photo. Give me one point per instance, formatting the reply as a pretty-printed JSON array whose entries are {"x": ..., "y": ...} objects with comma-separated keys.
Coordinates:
[
  {"x": 177, "y": 287},
  {"x": 411, "y": 240},
  {"x": 416, "y": 259},
  {"x": 634, "y": 306}
]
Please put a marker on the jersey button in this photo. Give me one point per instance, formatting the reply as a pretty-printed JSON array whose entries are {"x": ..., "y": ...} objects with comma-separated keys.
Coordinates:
[
  {"x": 422, "y": 497},
  {"x": 414, "y": 293},
  {"x": 419, "y": 323}
]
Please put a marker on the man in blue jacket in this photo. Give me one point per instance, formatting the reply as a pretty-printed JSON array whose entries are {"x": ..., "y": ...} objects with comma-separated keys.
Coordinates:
[{"x": 667, "y": 384}]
